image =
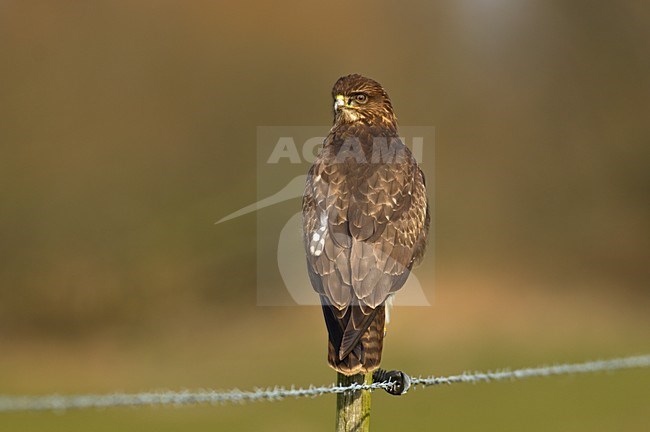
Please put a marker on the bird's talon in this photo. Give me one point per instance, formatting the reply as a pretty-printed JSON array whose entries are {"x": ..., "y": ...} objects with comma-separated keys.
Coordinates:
[{"x": 401, "y": 381}]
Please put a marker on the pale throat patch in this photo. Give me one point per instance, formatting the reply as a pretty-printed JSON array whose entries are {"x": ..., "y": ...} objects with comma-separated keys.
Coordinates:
[
  {"x": 351, "y": 114},
  {"x": 317, "y": 240}
]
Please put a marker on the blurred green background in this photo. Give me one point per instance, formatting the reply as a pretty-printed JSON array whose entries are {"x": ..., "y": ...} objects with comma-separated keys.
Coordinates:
[{"x": 128, "y": 127}]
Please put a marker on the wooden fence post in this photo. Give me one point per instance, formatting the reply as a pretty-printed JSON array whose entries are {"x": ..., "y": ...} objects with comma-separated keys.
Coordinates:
[{"x": 353, "y": 408}]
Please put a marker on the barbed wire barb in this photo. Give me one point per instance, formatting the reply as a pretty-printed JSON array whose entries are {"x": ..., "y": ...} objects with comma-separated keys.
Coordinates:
[{"x": 179, "y": 398}]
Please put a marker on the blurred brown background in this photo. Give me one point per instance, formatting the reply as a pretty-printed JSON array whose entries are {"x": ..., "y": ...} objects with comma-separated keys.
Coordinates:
[{"x": 128, "y": 128}]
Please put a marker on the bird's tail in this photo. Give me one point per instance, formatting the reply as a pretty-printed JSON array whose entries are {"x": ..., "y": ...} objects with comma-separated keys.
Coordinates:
[{"x": 366, "y": 355}]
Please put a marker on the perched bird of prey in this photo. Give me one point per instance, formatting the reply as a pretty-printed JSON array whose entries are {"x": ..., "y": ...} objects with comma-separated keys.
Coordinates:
[{"x": 365, "y": 222}]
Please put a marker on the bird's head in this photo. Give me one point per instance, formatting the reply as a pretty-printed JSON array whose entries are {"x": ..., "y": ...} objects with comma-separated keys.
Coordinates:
[{"x": 361, "y": 99}]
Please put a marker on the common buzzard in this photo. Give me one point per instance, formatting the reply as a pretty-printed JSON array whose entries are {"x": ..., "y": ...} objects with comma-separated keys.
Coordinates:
[{"x": 365, "y": 222}]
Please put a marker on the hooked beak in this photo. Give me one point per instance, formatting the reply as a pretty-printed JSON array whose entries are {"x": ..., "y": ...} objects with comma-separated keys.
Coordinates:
[{"x": 339, "y": 102}]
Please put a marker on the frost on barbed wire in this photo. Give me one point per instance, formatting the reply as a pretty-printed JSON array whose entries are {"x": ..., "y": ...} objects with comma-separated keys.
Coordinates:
[{"x": 60, "y": 403}]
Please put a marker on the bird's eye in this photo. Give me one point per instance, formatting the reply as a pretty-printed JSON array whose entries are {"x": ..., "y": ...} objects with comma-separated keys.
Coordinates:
[{"x": 361, "y": 98}]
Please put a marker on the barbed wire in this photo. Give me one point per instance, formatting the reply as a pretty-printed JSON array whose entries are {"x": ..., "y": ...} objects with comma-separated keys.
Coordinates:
[{"x": 63, "y": 402}]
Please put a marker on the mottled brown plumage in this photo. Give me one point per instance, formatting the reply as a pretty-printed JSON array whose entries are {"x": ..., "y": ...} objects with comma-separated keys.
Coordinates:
[{"x": 365, "y": 222}]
